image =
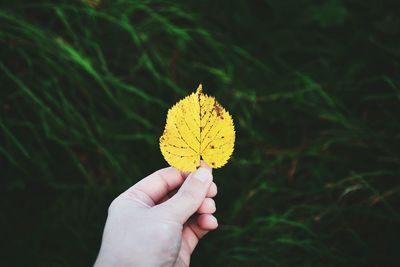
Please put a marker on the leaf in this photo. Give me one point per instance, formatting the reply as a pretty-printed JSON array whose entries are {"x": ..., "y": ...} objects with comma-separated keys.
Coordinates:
[{"x": 197, "y": 127}]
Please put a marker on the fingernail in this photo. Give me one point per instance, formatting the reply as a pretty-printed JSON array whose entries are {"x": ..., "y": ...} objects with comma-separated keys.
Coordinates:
[{"x": 202, "y": 174}]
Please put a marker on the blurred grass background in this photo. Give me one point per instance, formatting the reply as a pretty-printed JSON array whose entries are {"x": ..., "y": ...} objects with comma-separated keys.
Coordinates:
[{"x": 313, "y": 86}]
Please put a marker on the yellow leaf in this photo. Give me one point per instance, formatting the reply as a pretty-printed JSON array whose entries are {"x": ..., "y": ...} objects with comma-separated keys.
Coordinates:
[{"x": 197, "y": 127}]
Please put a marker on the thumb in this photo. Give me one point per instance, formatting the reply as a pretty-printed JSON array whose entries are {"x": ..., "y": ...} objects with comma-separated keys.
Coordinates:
[{"x": 191, "y": 194}]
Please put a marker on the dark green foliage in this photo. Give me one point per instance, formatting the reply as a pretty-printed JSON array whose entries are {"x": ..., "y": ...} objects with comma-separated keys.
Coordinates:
[{"x": 313, "y": 87}]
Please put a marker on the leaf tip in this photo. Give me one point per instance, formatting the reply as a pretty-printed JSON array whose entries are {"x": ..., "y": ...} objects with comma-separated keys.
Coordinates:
[{"x": 199, "y": 89}]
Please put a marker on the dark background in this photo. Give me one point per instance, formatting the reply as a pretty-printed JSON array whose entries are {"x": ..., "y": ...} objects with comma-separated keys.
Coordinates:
[{"x": 313, "y": 87}]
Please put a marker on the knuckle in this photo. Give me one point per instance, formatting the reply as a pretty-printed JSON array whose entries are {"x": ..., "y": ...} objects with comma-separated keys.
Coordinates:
[
  {"x": 133, "y": 194},
  {"x": 138, "y": 196}
]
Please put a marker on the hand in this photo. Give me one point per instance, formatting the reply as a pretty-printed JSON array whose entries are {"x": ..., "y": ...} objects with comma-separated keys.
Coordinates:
[{"x": 148, "y": 225}]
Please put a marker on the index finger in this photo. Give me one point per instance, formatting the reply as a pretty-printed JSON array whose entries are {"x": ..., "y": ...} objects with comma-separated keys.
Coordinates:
[{"x": 156, "y": 186}]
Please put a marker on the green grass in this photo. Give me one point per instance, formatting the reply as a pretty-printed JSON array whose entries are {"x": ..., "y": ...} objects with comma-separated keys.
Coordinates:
[{"x": 313, "y": 88}]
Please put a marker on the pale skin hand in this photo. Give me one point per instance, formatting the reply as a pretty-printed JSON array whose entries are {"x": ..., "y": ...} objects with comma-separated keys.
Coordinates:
[{"x": 148, "y": 225}]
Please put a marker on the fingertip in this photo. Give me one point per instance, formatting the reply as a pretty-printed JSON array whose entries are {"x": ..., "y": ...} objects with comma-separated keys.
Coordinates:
[
  {"x": 204, "y": 164},
  {"x": 185, "y": 174},
  {"x": 170, "y": 171},
  {"x": 207, "y": 222},
  {"x": 213, "y": 190},
  {"x": 208, "y": 206},
  {"x": 204, "y": 175}
]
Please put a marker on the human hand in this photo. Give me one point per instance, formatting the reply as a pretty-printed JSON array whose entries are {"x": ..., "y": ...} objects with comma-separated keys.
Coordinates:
[{"x": 149, "y": 226}]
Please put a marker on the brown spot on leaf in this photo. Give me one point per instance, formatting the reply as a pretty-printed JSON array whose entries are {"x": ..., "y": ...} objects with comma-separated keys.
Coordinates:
[{"x": 218, "y": 109}]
